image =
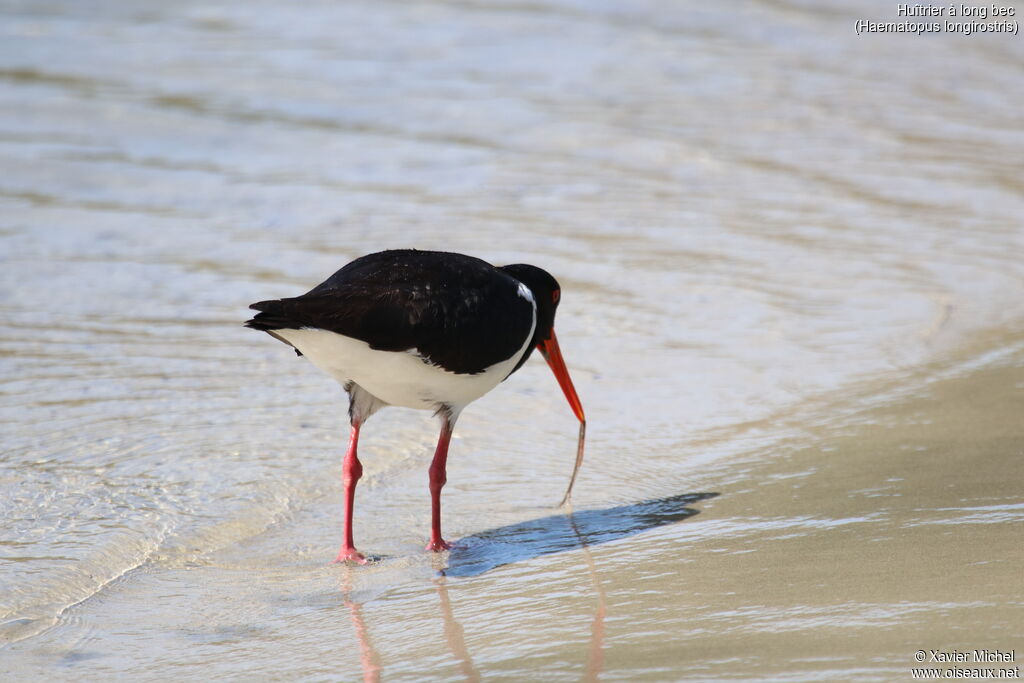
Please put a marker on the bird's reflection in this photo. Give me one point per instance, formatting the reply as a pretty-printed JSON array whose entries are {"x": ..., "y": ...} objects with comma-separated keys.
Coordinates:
[
  {"x": 481, "y": 552},
  {"x": 595, "y": 655},
  {"x": 454, "y": 634},
  {"x": 368, "y": 657}
]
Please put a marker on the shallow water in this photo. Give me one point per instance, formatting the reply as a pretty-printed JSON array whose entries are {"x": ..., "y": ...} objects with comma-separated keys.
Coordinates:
[{"x": 773, "y": 238}]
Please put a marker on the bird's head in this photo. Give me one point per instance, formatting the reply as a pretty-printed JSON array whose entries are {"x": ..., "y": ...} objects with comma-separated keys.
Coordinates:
[{"x": 547, "y": 294}]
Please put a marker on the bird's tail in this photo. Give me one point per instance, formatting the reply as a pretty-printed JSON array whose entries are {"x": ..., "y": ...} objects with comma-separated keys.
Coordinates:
[{"x": 273, "y": 315}]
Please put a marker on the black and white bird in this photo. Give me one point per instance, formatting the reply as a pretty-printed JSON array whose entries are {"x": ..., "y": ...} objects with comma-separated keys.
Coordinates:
[{"x": 421, "y": 329}]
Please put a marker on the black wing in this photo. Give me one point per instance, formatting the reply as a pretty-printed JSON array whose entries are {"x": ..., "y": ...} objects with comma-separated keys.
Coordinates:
[{"x": 456, "y": 311}]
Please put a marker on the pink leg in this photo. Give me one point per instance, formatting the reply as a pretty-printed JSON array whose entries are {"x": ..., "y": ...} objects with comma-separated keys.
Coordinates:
[
  {"x": 438, "y": 477},
  {"x": 351, "y": 470}
]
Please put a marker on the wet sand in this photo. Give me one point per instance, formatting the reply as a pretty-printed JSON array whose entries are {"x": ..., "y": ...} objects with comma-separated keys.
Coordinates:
[{"x": 839, "y": 561}]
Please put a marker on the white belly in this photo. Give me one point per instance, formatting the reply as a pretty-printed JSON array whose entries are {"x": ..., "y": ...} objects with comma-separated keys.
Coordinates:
[{"x": 398, "y": 378}]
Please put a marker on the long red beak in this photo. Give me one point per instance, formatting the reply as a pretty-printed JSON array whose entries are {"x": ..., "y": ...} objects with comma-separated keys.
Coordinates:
[{"x": 553, "y": 355}]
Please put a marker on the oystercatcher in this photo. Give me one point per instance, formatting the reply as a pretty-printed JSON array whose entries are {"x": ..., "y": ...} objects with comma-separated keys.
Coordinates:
[{"x": 421, "y": 329}]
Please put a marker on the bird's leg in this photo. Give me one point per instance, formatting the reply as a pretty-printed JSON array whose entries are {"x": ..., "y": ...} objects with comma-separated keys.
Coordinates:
[
  {"x": 438, "y": 477},
  {"x": 351, "y": 470}
]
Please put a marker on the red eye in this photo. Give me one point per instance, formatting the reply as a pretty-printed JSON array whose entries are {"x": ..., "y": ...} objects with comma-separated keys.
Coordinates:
[{"x": 555, "y": 295}]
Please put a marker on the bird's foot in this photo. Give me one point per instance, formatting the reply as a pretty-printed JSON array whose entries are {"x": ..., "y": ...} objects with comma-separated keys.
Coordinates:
[
  {"x": 350, "y": 555},
  {"x": 438, "y": 545}
]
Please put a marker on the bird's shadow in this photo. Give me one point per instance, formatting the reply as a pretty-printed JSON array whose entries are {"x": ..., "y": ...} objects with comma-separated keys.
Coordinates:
[{"x": 481, "y": 552}]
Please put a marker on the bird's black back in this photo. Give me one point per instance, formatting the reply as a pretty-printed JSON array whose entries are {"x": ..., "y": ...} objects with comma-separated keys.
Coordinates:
[{"x": 456, "y": 311}]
